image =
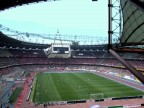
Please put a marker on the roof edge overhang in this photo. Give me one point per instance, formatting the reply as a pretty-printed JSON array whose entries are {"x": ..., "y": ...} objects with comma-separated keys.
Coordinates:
[
  {"x": 131, "y": 50},
  {"x": 139, "y": 3},
  {"x": 132, "y": 44}
]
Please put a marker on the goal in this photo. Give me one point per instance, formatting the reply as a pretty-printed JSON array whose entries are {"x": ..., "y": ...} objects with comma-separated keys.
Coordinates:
[{"x": 96, "y": 96}]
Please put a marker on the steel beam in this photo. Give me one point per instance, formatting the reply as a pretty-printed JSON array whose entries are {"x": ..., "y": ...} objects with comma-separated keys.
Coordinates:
[
  {"x": 137, "y": 74},
  {"x": 109, "y": 23}
]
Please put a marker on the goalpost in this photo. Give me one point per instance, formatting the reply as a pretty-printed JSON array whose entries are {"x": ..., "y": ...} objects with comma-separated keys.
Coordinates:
[{"x": 96, "y": 96}]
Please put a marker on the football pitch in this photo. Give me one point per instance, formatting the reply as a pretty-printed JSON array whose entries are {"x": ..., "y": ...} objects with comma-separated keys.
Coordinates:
[{"x": 76, "y": 86}]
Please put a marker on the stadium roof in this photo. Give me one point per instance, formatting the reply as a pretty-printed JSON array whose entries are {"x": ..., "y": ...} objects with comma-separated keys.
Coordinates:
[
  {"x": 133, "y": 18},
  {"x": 133, "y": 22},
  {"x": 5, "y": 4},
  {"x": 9, "y": 42}
]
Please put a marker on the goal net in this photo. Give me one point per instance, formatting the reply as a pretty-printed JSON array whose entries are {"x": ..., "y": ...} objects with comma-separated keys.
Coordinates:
[{"x": 96, "y": 96}]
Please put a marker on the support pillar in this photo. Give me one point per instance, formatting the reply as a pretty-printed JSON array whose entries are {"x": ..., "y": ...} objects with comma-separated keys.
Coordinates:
[
  {"x": 109, "y": 23},
  {"x": 137, "y": 74}
]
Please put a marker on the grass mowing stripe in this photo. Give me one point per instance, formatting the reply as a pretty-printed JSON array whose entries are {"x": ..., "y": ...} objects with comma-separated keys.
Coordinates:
[
  {"x": 33, "y": 86},
  {"x": 77, "y": 86},
  {"x": 93, "y": 86},
  {"x": 62, "y": 84},
  {"x": 56, "y": 91},
  {"x": 35, "y": 90},
  {"x": 126, "y": 90},
  {"x": 123, "y": 91},
  {"x": 84, "y": 87},
  {"x": 45, "y": 89}
]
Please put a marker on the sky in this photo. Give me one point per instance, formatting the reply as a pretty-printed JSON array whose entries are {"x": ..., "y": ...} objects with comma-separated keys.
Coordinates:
[{"x": 71, "y": 17}]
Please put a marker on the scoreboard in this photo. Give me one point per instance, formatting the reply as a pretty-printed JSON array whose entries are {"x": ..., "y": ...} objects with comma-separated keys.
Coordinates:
[{"x": 61, "y": 49}]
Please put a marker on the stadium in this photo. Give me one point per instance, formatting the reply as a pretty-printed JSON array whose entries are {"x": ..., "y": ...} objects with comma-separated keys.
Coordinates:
[{"x": 64, "y": 73}]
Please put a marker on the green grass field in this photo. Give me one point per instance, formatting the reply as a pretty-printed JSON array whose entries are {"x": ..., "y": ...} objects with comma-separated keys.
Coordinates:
[
  {"x": 15, "y": 94},
  {"x": 77, "y": 86}
]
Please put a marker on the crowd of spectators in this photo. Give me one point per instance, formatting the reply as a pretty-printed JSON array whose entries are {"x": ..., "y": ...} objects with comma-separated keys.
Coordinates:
[
  {"x": 37, "y": 57},
  {"x": 8, "y": 61},
  {"x": 20, "y": 57},
  {"x": 27, "y": 53},
  {"x": 87, "y": 54},
  {"x": 13, "y": 62},
  {"x": 5, "y": 53}
]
